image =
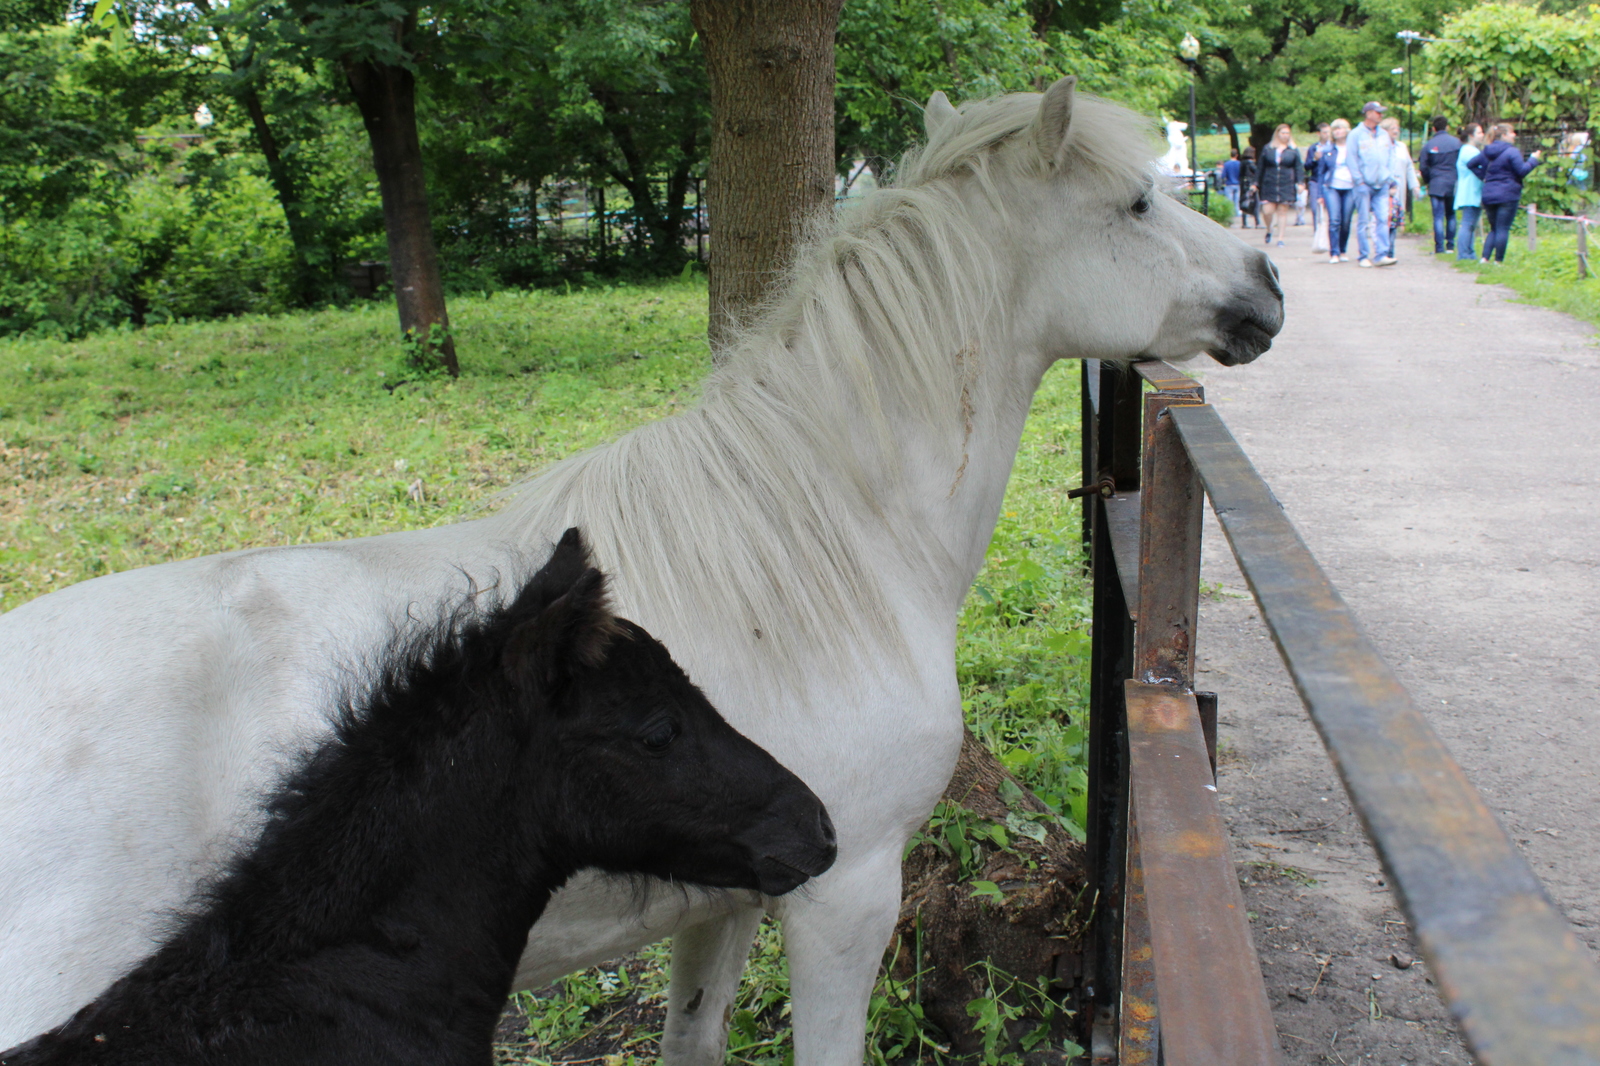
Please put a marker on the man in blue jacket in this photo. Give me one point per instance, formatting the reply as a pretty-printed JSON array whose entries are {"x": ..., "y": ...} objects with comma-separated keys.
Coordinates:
[
  {"x": 1370, "y": 155},
  {"x": 1439, "y": 175}
]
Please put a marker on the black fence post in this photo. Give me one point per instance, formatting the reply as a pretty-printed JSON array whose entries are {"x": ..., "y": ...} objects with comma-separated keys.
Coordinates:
[{"x": 1112, "y": 431}]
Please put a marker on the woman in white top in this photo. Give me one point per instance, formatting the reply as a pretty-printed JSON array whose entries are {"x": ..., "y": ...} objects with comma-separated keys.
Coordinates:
[
  {"x": 1336, "y": 185},
  {"x": 1405, "y": 177}
]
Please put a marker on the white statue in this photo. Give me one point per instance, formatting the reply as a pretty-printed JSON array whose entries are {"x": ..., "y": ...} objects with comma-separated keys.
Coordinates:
[{"x": 1176, "y": 161}]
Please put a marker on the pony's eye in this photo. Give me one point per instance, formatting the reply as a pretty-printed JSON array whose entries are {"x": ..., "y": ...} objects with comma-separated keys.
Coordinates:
[
  {"x": 1142, "y": 204},
  {"x": 659, "y": 737}
]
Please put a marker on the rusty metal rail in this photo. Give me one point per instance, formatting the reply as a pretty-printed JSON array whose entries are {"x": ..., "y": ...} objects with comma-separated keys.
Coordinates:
[{"x": 1175, "y": 978}]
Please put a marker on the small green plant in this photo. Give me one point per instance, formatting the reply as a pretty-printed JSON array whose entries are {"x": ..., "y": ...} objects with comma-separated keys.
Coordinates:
[
  {"x": 1007, "y": 1001},
  {"x": 1267, "y": 868},
  {"x": 961, "y": 834},
  {"x": 166, "y": 486},
  {"x": 581, "y": 1003}
]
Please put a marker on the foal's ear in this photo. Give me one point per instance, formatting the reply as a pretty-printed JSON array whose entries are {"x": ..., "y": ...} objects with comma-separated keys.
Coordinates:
[
  {"x": 565, "y": 565},
  {"x": 562, "y": 619},
  {"x": 572, "y": 630},
  {"x": 937, "y": 115},
  {"x": 1055, "y": 117}
]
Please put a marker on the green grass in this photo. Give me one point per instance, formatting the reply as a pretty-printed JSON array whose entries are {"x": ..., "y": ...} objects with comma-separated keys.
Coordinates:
[
  {"x": 132, "y": 448},
  {"x": 1547, "y": 276},
  {"x": 138, "y": 447}
]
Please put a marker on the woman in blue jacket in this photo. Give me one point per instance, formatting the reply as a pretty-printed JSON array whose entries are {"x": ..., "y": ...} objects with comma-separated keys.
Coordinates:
[{"x": 1502, "y": 169}]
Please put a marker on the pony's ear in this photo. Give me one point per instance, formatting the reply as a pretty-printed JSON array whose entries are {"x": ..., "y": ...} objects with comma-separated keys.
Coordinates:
[
  {"x": 570, "y": 631},
  {"x": 938, "y": 114},
  {"x": 1055, "y": 118}
]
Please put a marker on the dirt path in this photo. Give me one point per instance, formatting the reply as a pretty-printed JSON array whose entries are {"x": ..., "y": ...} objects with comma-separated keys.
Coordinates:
[{"x": 1438, "y": 447}]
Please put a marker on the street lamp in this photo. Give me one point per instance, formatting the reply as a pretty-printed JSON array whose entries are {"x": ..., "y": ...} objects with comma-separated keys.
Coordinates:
[
  {"x": 1189, "y": 51},
  {"x": 1411, "y": 37}
]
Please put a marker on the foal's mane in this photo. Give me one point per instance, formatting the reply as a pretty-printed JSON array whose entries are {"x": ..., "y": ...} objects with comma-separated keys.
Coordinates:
[{"x": 770, "y": 492}]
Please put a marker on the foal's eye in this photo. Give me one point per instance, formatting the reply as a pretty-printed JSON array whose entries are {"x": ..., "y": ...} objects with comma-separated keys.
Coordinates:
[
  {"x": 1142, "y": 204},
  {"x": 659, "y": 737}
]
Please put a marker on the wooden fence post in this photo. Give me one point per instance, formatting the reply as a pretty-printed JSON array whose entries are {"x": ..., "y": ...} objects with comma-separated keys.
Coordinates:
[
  {"x": 1533, "y": 227},
  {"x": 1583, "y": 248}
]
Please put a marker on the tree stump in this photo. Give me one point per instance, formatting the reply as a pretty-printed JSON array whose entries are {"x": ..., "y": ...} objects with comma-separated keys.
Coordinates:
[{"x": 957, "y": 947}]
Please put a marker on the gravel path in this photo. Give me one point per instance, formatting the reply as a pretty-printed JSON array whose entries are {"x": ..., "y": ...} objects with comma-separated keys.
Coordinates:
[{"x": 1438, "y": 447}]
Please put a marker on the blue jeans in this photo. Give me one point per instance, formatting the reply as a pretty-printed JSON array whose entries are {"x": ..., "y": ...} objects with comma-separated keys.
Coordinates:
[
  {"x": 1232, "y": 193},
  {"x": 1372, "y": 225},
  {"x": 1313, "y": 191},
  {"x": 1500, "y": 218},
  {"x": 1444, "y": 222},
  {"x": 1341, "y": 207},
  {"x": 1466, "y": 231}
]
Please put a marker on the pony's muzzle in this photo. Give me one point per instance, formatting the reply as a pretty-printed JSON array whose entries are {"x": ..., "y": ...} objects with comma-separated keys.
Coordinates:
[{"x": 1249, "y": 322}]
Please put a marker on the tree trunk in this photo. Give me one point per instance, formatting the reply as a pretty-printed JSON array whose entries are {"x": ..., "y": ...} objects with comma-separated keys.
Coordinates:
[
  {"x": 1233, "y": 130},
  {"x": 387, "y": 98},
  {"x": 301, "y": 234},
  {"x": 770, "y": 64},
  {"x": 663, "y": 222}
]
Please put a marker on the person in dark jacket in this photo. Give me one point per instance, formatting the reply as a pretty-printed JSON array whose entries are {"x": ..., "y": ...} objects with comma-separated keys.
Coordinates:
[
  {"x": 1279, "y": 177},
  {"x": 1439, "y": 177},
  {"x": 1230, "y": 177},
  {"x": 1249, "y": 200},
  {"x": 1313, "y": 166},
  {"x": 1502, "y": 169}
]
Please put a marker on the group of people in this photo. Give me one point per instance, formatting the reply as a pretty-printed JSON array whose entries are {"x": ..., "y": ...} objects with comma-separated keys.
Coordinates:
[
  {"x": 1479, "y": 181},
  {"x": 1356, "y": 179}
]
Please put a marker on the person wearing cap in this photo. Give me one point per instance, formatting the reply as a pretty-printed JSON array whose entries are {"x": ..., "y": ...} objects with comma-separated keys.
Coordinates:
[{"x": 1371, "y": 160}]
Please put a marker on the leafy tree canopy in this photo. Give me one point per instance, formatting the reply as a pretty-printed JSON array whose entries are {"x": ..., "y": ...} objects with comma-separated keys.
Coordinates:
[
  {"x": 1307, "y": 61},
  {"x": 1510, "y": 61}
]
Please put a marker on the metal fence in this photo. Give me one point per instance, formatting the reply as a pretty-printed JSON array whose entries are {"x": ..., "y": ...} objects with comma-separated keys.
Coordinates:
[{"x": 1175, "y": 976}]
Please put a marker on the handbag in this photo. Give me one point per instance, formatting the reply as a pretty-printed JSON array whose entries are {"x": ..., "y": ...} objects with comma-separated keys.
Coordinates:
[{"x": 1319, "y": 235}]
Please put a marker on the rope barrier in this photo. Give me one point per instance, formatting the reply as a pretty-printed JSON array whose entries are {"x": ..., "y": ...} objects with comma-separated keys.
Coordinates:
[{"x": 1583, "y": 224}]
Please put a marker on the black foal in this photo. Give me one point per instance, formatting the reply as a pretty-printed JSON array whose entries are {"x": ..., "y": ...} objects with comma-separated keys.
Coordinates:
[{"x": 380, "y": 915}]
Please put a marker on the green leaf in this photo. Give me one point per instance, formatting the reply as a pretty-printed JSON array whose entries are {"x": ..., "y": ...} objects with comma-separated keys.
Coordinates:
[
  {"x": 987, "y": 890},
  {"x": 1024, "y": 824}
]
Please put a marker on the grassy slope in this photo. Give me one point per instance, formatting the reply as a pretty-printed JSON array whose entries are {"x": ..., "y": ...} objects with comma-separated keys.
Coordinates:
[
  {"x": 1547, "y": 277},
  {"x": 134, "y": 448}
]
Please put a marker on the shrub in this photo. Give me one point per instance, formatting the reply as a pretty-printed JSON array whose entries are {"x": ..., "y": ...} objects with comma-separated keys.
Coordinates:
[{"x": 1221, "y": 209}]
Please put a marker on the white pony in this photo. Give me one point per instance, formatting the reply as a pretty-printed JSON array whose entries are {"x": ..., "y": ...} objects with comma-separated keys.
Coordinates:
[{"x": 801, "y": 540}]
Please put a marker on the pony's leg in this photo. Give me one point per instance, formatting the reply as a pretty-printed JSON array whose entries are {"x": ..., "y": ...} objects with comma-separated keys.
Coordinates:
[
  {"x": 835, "y": 942},
  {"x": 707, "y": 962}
]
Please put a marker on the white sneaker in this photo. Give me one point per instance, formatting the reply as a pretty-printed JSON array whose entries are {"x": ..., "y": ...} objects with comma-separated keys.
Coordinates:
[
  {"x": 1333, "y": 259},
  {"x": 1387, "y": 260},
  {"x": 1364, "y": 263}
]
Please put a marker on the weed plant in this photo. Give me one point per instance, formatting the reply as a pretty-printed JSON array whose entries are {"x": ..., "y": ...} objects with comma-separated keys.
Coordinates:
[{"x": 131, "y": 448}]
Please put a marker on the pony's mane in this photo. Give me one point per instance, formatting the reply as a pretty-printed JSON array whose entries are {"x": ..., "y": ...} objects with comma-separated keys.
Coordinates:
[{"x": 772, "y": 491}]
